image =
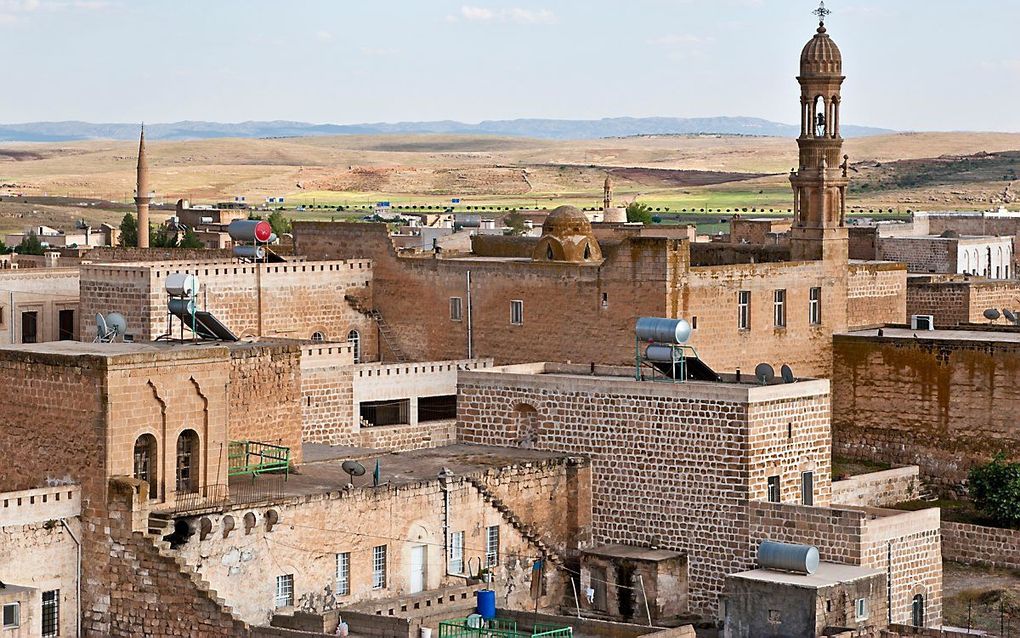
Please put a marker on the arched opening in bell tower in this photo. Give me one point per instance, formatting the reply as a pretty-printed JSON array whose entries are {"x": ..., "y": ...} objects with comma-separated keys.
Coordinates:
[{"x": 821, "y": 117}]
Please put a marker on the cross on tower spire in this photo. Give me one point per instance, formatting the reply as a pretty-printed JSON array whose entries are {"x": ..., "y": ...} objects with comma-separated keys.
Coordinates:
[{"x": 821, "y": 12}]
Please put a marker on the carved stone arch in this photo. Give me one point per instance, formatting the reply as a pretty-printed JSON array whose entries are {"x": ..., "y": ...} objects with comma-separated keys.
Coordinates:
[
  {"x": 527, "y": 426},
  {"x": 159, "y": 490},
  {"x": 550, "y": 249},
  {"x": 205, "y": 445}
]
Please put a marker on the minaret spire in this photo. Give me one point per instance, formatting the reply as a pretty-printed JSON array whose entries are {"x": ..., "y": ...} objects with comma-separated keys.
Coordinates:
[
  {"x": 607, "y": 194},
  {"x": 142, "y": 198}
]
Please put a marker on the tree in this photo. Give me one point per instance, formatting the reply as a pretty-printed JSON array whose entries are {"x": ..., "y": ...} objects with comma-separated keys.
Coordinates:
[
  {"x": 128, "y": 231},
  {"x": 30, "y": 245},
  {"x": 638, "y": 212},
  {"x": 281, "y": 224},
  {"x": 515, "y": 222},
  {"x": 163, "y": 237},
  {"x": 190, "y": 240},
  {"x": 995, "y": 489}
]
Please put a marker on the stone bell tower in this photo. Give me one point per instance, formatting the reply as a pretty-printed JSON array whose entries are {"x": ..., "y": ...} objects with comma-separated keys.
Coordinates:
[{"x": 819, "y": 184}]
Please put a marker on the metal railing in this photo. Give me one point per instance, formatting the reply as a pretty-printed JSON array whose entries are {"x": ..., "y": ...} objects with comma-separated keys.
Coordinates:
[
  {"x": 499, "y": 628},
  {"x": 218, "y": 496},
  {"x": 254, "y": 457}
]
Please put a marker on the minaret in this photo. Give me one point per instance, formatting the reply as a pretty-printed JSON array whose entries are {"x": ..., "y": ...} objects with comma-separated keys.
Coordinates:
[
  {"x": 607, "y": 194},
  {"x": 819, "y": 184},
  {"x": 142, "y": 197}
]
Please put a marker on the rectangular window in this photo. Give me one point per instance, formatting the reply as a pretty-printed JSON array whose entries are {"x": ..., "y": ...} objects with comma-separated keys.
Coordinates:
[
  {"x": 517, "y": 312},
  {"x": 744, "y": 310},
  {"x": 861, "y": 609},
  {"x": 65, "y": 325},
  {"x": 815, "y": 306},
  {"x": 492, "y": 546},
  {"x": 807, "y": 488},
  {"x": 51, "y": 613},
  {"x": 285, "y": 591},
  {"x": 605, "y": 300},
  {"x": 395, "y": 412},
  {"x": 29, "y": 327},
  {"x": 773, "y": 489},
  {"x": 457, "y": 553},
  {"x": 343, "y": 574},
  {"x": 455, "y": 308},
  {"x": 379, "y": 567},
  {"x": 779, "y": 306},
  {"x": 442, "y": 408},
  {"x": 12, "y": 615}
]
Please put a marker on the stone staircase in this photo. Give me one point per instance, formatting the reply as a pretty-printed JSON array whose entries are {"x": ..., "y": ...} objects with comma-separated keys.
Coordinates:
[
  {"x": 928, "y": 493},
  {"x": 529, "y": 533},
  {"x": 160, "y": 524}
]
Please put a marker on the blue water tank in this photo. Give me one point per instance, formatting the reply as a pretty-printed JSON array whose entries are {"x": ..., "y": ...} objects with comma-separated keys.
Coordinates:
[{"x": 486, "y": 603}]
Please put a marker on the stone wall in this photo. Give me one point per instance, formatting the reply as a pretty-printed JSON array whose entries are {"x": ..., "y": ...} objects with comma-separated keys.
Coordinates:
[
  {"x": 327, "y": 393},
  {"x": 878, "y": 489},
  {"x": 956, "y": 301},
  {"x": 979, "y": 545},
  {"x": 112, "y": 254},
  {"x": 242, "y": 565},
  {"x": 292, "y": 300},
  {"x": 591, "y": 309},
  {"x": 876, "y": 294},
  {"x": 921, "y": 254},
  {"x": 648, "y": 442},
  {"x": 265, "y": 395},
  {"x": 941, "y": 404}
]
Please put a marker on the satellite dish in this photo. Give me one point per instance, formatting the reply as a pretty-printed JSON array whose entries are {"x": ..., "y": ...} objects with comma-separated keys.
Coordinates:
[
  {"x": 474, "y": 621},
  {"x": 353, "y": 468},
  {"x": 117, "y": 324},
  {"x": 101, "y": 329},
  {"x": 764, "y": 373},
  {"x": 992, "y": 314},
  {"x": 787, "y": 373},
  {"x": 1011, "y": 316}
]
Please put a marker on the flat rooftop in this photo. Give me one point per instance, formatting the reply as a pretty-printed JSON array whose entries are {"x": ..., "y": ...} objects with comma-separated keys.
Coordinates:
[
  {"x": 899, "y": 334},
  {"x": 828, "y": 574},
  {"x": 120, "y": 349},
  {"x": 322, "y": 472},
  {"x": 632, "y": 552}
]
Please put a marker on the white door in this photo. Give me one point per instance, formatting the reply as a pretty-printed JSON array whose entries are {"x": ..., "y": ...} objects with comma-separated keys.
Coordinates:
[{"x": 418, "y": 561}]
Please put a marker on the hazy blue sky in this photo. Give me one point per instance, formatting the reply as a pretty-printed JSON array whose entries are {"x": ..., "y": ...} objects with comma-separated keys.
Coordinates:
[{"x": 911, "y": 64}]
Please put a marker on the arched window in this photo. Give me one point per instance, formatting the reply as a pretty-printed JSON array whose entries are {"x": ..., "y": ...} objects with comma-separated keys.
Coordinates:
[
  {"x": 187, "y": 461},
  {"x": 318, "y": 337},
  {"x": 917, "y": 611},
  {"x": 587, "y": 252},
  {"x": 354, "y": 339},
  {"x": 146, "y": 462},
  {"x": 549, "y": 252},
  {"x": 528, "y": 425}
]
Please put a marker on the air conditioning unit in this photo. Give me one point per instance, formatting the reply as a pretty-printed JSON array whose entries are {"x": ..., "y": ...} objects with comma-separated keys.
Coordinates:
[{"x": 922, "y": 322}]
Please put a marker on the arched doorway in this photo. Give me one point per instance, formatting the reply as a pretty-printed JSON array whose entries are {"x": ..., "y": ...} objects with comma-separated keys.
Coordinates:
[
  {"x": 146, "y": 463},
  {"x": 527, "y": 426},
  {"x": 917, "y": 611},
  {"x": 187, "y": 461},
  {"x": 354, "y": 339}
]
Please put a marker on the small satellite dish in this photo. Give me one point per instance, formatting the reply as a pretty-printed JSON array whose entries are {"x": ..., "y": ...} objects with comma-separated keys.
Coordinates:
[
  {"x": 474, "y": 621},
  {"x": 764, "y": 373},
  {"x": 117, "y": 324},
  {"x": 992, "y": 314},
  {"x": 787, "y": 373},
  {"x": 1011, "y": 316},
  {"x": 353, "y": 468}
]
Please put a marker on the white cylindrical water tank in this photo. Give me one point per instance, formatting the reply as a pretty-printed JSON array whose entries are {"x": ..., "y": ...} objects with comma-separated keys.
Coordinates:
[
  {"x": 250, "y": 252},
  {"x": 659, "y": 353},
  {"x": 181, "y": 284},
  {"x": 801, "y": 559},
  {"x": 661, "y": 330}
]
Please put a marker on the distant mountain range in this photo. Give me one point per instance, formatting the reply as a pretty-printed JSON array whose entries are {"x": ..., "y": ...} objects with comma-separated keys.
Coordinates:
[{"x": 538, "y": 128}]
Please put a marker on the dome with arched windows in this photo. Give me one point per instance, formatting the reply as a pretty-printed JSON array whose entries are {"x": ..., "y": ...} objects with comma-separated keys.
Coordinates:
[
  {"x": 821, "y": 56},
  {"x": 567, "y": 236}
]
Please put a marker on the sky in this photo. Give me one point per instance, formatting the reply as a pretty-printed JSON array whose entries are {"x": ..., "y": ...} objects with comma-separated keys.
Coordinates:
[{"x": 910, "y": 64}]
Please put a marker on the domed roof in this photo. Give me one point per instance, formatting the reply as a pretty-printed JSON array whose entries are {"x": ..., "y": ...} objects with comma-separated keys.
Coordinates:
[
  {"x": 566, "y": 220},
  {"x": 821, "y": 56}
]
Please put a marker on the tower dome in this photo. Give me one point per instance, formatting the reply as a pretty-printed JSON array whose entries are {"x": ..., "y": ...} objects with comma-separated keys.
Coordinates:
[
  {"x": 821, "y": 56},
  {"x": 567, "y": 236}
]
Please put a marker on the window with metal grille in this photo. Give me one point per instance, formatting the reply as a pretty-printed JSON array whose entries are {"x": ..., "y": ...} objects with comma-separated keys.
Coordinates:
[
  {"x": 517, "y": 312},
  {"x": 285, "y": 591},
  {"x": 815, "y": 306},
  {"x": 12, "y": 615},
  {"x": 437, "y": 408},
  {"x": 187, "y": 461},
  {"x": 861, "y": 609},
  {"x": 51, "y": 613},
  {"x": 779, "y": 307},
  {"x": 773, "y": 489},
  {"x": 457, "y": 553},
  {"x": 343, "y": 574},
  {"x": 379, "y": 567},
  {"x": 145, "y": 462},
  {"x": 492, "y": 546},
  {"x": 354, "y": 339},
  {"x": 744, "y": 310},
  {"x": 455, "y": 308}
]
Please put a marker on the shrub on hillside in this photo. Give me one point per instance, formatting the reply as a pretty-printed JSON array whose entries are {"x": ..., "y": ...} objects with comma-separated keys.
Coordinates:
[{"x": 995, "y": 489}]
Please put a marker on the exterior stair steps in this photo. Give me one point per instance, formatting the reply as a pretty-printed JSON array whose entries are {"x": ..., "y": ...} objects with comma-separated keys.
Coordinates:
[
  {"x": 160, "y": 524},
  {"x": 388, "y": 336},
  {"x": 529, "y": 533}
]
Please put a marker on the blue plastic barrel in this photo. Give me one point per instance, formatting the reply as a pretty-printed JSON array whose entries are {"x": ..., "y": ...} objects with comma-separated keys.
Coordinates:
[{"x": 486, "y": 603}]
